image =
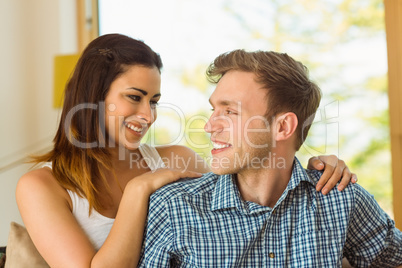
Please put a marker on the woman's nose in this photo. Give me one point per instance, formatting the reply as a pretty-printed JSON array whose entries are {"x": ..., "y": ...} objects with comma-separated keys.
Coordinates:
[{"x": 146, "y": 113}]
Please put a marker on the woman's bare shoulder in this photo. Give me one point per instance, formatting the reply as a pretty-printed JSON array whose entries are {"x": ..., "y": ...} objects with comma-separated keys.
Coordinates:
[
  {"x": 40, "y": 183},
  {"x": 42, "y": 177}
]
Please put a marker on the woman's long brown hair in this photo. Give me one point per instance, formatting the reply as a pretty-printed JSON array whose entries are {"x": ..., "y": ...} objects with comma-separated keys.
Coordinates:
[{"x": 79, "y": 154}]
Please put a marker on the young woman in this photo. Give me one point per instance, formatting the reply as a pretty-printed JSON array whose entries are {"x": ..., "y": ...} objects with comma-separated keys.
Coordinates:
[{"x": 87, "y": 206}]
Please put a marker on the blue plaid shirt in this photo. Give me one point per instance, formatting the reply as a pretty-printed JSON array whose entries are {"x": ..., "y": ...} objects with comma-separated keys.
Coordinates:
[{"x": 205, "y": 223}]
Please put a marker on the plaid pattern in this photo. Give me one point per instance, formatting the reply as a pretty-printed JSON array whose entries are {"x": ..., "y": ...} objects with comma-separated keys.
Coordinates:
[{"x": 205, "y": 223}]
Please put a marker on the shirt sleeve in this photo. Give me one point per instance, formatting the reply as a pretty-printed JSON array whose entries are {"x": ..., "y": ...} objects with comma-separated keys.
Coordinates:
[
  {"x": 372, "y": 239},
  {"x": 158, "y": 235}
]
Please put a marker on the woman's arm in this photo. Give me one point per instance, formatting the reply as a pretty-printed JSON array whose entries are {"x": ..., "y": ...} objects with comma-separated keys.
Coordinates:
[
  {"x": 45, "y": 208},
  {"x": 124, "y": 242}
]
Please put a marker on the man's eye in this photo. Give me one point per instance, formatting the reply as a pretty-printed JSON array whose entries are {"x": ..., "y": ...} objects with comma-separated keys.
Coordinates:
[{"x": 229, "y": 112}]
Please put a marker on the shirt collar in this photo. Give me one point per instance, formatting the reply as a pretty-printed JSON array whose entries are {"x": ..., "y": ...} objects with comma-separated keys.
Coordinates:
[
  {"x": 226, "y": 194},
  {"x": 299, "y": 174}
]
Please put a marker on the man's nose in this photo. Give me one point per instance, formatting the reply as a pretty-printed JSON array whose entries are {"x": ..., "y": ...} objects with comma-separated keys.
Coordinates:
[{"x": 213, "y": 124}]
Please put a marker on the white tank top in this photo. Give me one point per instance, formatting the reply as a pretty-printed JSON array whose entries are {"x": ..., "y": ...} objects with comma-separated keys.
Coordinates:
[{"x": 96, "y": 226}]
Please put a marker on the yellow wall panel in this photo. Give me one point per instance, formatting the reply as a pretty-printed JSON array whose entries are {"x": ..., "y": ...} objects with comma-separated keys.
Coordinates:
[{"x": 63, "y": 69}]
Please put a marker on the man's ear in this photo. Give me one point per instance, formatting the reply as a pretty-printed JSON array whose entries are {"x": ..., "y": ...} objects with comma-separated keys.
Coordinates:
[{"x": 286, "y": 125}]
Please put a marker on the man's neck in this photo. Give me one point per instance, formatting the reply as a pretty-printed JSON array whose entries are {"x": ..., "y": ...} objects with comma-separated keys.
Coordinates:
[{"x": 265, "y": 186}]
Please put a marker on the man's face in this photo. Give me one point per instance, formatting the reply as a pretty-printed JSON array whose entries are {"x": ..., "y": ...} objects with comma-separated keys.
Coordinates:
[{"x": 239, "y": 131}]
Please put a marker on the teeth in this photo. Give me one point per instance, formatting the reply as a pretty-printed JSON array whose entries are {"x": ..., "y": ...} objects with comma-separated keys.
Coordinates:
[
  {"x": 219, "y": 145},
  {"x": 136, "y": 129}
]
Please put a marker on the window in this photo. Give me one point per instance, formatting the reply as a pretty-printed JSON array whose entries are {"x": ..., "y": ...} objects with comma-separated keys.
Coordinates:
[{"x": 341, "y": 42}]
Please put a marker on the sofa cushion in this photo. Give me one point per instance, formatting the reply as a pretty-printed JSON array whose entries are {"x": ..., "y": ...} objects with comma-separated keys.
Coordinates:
[{"x": 21, "y": 252}]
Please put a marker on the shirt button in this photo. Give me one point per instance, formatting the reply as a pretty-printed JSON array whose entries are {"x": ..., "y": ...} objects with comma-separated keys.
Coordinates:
[{"x": 271, "y": 255}]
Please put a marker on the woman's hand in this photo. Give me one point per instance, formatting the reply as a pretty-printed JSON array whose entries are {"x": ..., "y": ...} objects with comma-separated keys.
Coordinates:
[{"x": 335, "y": 170}]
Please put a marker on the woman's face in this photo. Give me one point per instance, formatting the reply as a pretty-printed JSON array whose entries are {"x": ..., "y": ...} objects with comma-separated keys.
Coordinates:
[{"x": 131, "y": 106}]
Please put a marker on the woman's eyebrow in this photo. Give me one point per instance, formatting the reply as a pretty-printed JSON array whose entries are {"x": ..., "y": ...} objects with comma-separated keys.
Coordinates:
[
  {"x": 144, "y": 92},
  {"x": 157, "y": 95},
  {"x": 140, "y": 90}
]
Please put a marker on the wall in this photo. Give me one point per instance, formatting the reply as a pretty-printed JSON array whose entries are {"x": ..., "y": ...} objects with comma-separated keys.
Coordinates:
[
  {"x": 32, "y": 33},
  {"x": 393, "y": 13}
]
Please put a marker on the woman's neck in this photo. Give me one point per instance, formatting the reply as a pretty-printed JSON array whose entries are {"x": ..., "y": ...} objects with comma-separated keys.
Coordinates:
[{"x": 123, "y": 159}]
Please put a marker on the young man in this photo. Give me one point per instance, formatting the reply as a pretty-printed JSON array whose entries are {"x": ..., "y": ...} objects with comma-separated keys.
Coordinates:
[{"x": 259, "y": 207}]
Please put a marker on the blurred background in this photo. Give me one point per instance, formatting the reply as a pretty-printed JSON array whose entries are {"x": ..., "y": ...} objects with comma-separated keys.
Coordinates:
[{"x": 342, "y": 42}]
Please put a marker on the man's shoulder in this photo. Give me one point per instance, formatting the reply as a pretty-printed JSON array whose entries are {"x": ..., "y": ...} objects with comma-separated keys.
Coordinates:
[
  {"x": 351, "y": 189},
  {"x": 352, "y": 197},
  {"x": 346, "y": 196},
  {"x": 187, "y": 187},
  {"x": 314, "y": 175}
]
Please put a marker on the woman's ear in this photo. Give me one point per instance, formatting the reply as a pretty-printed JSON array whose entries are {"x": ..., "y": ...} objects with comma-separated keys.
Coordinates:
[{"x": 286, "y": 125}]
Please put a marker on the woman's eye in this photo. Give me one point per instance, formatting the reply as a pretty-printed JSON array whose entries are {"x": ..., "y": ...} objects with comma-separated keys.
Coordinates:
[
  {"x": 229, "y": 112},
  {"x": 134, "y": 97},
  {"x": 154, "y": 104}
]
